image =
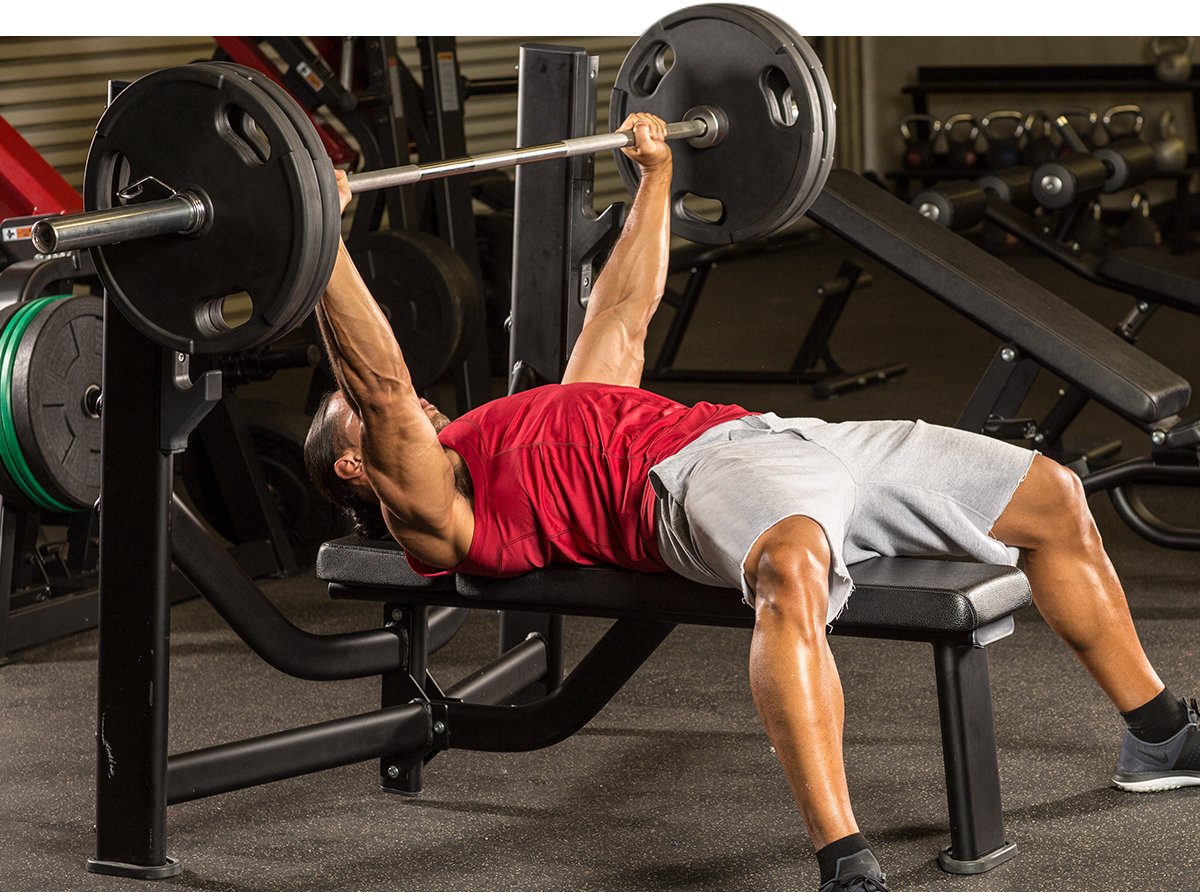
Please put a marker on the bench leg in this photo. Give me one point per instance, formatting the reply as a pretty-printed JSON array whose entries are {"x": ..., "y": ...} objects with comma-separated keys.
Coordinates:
[
  {"x": 400, "y": 773},
  {"x": 977, "y": 842}
]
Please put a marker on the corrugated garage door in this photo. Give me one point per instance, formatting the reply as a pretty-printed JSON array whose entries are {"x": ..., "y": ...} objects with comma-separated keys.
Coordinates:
[{"x": 52, "y": 89}]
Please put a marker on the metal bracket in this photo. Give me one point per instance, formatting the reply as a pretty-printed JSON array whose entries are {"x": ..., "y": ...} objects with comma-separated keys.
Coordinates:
[
  {"x": 440, "y": 728},
  {"x": 184, "y": 402},
  {"x": 135, "y": 190}
]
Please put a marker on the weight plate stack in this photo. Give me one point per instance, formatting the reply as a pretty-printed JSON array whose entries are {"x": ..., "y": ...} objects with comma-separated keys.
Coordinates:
[
  {"x": 428, "y": 293},
  {"x": 50, "y": 377},
  {"x": 775, "y": 152},
  {"x": 203, "y": 129}
]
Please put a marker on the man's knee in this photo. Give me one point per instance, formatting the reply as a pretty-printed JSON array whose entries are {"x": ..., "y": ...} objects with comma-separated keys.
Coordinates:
[
  {"x": 1052, "y": 507},
  {"x": 788, "y": 572}
]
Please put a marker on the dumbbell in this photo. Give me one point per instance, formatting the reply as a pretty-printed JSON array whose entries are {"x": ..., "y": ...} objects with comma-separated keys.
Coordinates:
[
  {"x": 1011, "y": 185},
  {"x": 1078, "y": 178}
]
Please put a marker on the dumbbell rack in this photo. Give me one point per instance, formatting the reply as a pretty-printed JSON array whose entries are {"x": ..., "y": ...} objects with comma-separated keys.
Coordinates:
[
  {"x": 934, "y": 79},
  {"x": 1069, "y": 79}
]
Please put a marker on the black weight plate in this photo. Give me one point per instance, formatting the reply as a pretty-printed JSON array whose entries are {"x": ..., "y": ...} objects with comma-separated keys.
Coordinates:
[
  {"x": 196, "y": 127},
  {"x": 277, "y": 433},
  {"x": 330, "y": 220},
  {"x": 824, "y": 95},
  {"x": 818, "y": 87},
  {"x": 773, "y": 152},
  {"x": 56, "y": 380},
  {"x": 426, "y": 290}
]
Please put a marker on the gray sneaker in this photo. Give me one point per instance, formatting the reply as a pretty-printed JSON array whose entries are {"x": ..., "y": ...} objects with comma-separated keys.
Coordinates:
[
  {"x": 1151, "y": 767},
  {"x": 859, "y": 872}
]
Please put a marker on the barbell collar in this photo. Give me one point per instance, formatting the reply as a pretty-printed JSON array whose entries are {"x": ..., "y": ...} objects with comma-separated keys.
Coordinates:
[
  {"x": 699, "y": 127},
  {"x": 182, "y": 213}
]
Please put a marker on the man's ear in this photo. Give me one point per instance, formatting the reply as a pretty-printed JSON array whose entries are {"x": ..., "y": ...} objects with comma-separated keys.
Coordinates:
[{"x": 349, "y": 466}]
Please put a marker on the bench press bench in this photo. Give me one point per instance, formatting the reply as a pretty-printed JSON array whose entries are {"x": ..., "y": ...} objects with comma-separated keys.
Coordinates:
[{"x": 958, "y": 607}]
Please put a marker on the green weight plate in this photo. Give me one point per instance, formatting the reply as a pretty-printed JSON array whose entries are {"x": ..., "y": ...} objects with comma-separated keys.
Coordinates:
[
  {"x": 200, "y": 128},
  {"x": 426, "y": 290},
  {"x": 56, "y": 382},
  {"x": 330, "y": 217},
  {"x": 9, "y": 488},
  {"x": 769, "y": 166}
]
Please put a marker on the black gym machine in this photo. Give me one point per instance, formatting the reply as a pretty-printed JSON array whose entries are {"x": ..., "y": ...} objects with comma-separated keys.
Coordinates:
[
  {"x": 51, "y": 476},
  {"x": 1153, "y": 277},
  {"x": 153, "y": 399}
]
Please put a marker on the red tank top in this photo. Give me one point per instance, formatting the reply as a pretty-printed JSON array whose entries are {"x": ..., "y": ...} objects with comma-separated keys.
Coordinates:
[{"x": 561, "y": 475}]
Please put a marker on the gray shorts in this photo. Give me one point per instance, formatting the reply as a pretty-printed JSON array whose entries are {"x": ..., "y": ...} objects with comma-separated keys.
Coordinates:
[{"x": 875, "y": 487}]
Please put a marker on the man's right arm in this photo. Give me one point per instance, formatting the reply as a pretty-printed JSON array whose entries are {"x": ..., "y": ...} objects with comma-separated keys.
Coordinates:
[
  {"x": 403, "y": 460},
  {"x": 610, "y": 348}
]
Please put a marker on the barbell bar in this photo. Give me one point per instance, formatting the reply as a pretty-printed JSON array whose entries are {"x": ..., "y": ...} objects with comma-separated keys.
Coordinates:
[{"x": 187, "y": 212}]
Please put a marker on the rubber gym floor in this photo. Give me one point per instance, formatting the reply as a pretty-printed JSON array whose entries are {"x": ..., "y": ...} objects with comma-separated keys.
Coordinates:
[{"x": 673, "y": 785}]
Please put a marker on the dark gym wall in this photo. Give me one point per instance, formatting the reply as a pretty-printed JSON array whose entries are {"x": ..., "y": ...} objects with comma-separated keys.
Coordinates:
[{"x": 52, "y": 89}]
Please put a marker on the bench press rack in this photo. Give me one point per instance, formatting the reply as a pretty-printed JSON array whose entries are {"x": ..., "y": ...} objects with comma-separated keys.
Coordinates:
[
  {"x": 962, "y": 608},
  {"x": 151, "y": 404}
]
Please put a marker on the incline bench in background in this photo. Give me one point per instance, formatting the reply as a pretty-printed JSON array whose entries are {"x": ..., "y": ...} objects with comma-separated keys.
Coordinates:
[{"x": 958, "y": 607}]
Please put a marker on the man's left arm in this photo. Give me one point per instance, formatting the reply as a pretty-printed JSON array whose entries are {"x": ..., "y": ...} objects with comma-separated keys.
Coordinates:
[{"x": 610, "y": 348}]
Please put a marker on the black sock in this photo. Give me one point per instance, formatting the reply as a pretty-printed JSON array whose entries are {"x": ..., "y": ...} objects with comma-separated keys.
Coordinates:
[
  {"x": 1157, "y": 720},
  {"x": 827, "y": 857}
]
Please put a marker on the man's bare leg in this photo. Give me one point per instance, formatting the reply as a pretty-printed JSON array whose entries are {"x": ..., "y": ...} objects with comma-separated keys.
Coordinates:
[
  {"x": 793, "y": 678},
  {"x": 1077, "y": 591},
  {"x": 1075, "y": 587}
]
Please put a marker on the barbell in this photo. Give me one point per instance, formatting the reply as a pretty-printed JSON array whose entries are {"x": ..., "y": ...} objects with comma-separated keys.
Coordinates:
[
  {"x": 207, "y": 187},
  {"x": 187, "y": 211}
]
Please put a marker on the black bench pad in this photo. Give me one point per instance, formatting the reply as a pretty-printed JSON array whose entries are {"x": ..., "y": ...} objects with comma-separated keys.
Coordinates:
[
  {"x": 989, "y": 291},
  {"x": 1172, "y": 279},
  {"x": 902, "y": 594}
]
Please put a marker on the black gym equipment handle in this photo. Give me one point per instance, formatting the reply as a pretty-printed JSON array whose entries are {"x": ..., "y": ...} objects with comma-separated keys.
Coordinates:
[
  {"x": 187, "y": 212},
  {"x": 225, "y": 585}
]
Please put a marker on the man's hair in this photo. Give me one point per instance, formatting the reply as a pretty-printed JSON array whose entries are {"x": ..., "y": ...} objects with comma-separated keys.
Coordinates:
[{"x": 323, "y": 446}]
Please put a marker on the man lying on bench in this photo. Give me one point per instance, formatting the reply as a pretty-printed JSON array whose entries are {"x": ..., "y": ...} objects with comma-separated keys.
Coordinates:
[{"x": 597, "y": 471}]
